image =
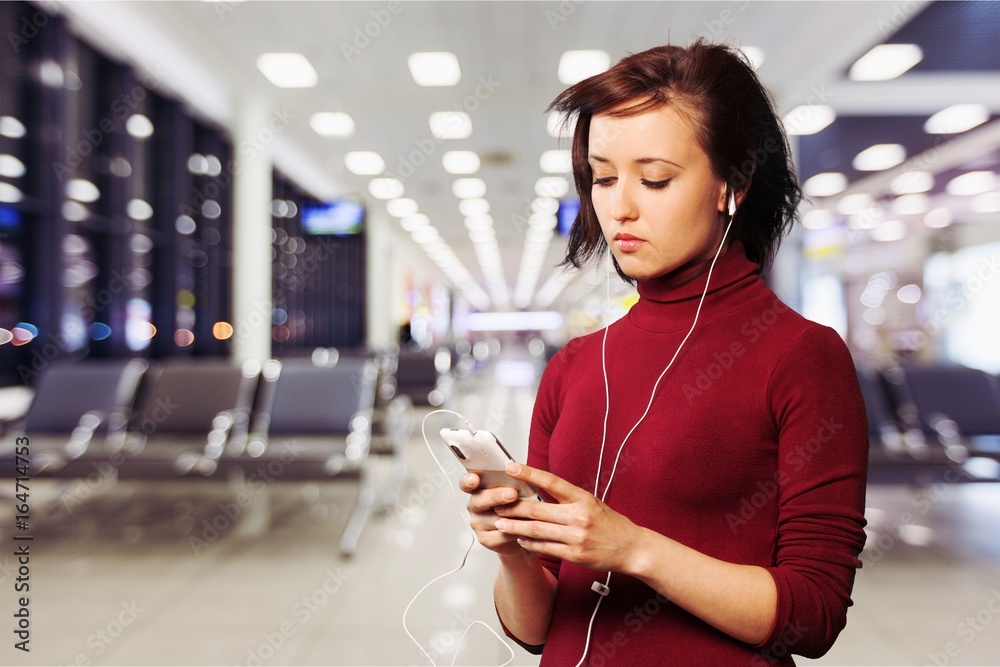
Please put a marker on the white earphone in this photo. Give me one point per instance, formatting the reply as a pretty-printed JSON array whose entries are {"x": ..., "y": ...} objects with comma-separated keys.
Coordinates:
[{"x": 604, "y": 589}]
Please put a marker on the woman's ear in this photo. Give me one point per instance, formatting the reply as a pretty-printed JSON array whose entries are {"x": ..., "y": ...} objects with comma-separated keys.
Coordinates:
[{"x": 723, "y": 204}]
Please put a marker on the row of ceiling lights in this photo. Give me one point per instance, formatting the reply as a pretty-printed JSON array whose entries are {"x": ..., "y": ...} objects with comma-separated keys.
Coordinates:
[
  {"x": 883, "y": 62},
  {"x": 443, "y": 69}
]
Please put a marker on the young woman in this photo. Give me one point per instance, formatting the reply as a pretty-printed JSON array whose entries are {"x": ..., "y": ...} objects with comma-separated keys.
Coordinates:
[{"x": 705, "y": 456}]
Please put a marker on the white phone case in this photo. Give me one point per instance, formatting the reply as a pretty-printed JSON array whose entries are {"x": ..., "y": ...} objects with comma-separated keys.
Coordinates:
[{"x": 483, "y": 454}]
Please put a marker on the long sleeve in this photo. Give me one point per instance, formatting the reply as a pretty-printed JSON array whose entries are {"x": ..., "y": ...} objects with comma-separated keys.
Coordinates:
[
  {"x": 543, "y": 421},
  {"x": 822, "y": 469}
]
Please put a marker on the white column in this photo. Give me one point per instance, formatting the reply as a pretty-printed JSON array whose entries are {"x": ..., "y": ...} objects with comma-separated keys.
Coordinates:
[
  {"x": 378, "y": 279},
  {"x": 253, "y": 137}
]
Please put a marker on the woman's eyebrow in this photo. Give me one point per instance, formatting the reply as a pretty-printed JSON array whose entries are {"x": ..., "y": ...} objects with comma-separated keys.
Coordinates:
[{"x": 642, "y": 160}]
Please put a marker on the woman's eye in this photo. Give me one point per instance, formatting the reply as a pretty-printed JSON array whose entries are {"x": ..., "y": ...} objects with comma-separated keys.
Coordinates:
[
  {"x": 657, "y": 185},
  {"x": 604, "y": 182}
]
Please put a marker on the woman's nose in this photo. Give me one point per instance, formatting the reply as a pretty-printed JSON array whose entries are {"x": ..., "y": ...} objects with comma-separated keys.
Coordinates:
[{"x": 623, "y": 203}]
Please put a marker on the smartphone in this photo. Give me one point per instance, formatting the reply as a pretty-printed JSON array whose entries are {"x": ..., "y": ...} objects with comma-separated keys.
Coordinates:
[{"x": 483, "y": 454}]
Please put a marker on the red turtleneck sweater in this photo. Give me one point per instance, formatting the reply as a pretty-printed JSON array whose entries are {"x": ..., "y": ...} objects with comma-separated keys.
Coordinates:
[{"x": 754, "y": 452}]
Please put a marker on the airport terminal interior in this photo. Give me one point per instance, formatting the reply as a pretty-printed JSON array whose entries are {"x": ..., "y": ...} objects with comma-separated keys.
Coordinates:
[{"x": 256, "y": 255}]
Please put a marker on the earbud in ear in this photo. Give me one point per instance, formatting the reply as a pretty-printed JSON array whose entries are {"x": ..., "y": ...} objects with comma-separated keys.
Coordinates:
[{"x": 732, "y": 204}]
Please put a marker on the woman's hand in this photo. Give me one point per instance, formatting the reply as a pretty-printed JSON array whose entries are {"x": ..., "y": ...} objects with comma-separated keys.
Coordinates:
[
  {"x": 483, "y": 517},
  {"x": 579, "y": 529}
]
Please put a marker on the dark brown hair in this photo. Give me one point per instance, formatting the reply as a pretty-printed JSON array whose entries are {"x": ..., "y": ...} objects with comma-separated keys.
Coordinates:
[{"x": 735, "y": 124}]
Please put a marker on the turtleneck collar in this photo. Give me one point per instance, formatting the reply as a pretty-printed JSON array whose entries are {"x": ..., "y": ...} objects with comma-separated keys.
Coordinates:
[{"x": 668, "y": 303}]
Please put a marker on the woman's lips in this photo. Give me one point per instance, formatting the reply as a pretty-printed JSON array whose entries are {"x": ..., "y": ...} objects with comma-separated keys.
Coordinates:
[{"x": 628, "y": 243}]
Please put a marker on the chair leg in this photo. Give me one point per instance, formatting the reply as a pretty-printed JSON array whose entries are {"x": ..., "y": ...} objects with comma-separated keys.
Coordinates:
[{"x": 362, "y": 510}]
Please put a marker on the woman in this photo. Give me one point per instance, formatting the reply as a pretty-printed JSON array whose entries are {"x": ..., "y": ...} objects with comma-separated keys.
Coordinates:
[{"x": 714, "y": 517}]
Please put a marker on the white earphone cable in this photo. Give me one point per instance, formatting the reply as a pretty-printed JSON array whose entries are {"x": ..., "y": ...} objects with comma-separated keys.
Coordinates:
[
  {"x": 467, "y": 521},
  {"x": 602, "y": 594}
]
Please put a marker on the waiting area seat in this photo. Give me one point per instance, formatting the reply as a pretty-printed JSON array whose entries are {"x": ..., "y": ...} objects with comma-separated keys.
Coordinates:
[
  {"x": 424, "y": 376},
  {"x": 76, "y": 406},
  {"x": 958, "y": 406},
  {"x": 312, "y": 421},
  {"x": 927, "y": 422}
]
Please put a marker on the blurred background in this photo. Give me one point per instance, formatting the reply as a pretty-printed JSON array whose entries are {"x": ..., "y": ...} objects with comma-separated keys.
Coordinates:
[{"x": 247, "y": 247}]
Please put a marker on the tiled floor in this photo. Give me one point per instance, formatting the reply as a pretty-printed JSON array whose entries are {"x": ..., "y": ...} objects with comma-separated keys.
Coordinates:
[{"x": 118, "y": 581}]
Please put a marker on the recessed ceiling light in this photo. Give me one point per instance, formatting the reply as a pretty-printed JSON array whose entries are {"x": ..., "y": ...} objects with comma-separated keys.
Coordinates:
[
  {"x": 402, "y": 207},
  {"x": 809, "y": 119},
  {"x": 817, "y": 218},
  {"x": 475, "y": 206},
  {"x": 957, "y": 118},
  {"x": 450, "y": 125},
  {"x": 576, "y": 66},
  {"x": 972, "y": 183},
  {"x": 425, "y": 235},
  {"x": 911, "y": 204},
  {"x": 287, "y": 70},
  {"x": 886, "y": 61},
  {"x": 754, "y": 54},
  {"x": 336, "y": 125},
  {"x": 434, "y": 68},
  {"x": 544, "y": 205},
  {"x": 485, "y": 235},
  {"x": 826, "y": 184},
  {"x": 412, "y": 223},
  {"x": 939, "y": 218},
  {"x": 460, "y": 162},
  {"x": 889, "y": 230},
  {"x": 481, "y": 221},
  {"x": 469, "y": 188},
  {"x": 364, "y": 163},
  {"x": 988, "y": 202},
  {"x": 385, "y": 188},
  {"x": 558, "y": 127},
  {"x": 912, "y": 182},
  {"x": 879, "y": 157},
  {"x": 854, "y": 203},
  {"x": 556, "y": 161},
  {"x": 551, "y": 186}
]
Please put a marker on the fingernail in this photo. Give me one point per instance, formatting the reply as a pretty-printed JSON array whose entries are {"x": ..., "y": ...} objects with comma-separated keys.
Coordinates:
[
  {"x": 502, "y": 524},
  {"x": 509, "y": 494},
  {"x": 513, "y": 468}
]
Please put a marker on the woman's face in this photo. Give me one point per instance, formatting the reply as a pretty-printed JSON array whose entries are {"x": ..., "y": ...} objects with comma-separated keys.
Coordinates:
[{"x": 653, "y": 182}]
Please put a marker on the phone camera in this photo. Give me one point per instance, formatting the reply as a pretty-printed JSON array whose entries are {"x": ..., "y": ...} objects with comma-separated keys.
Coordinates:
[{"x": 458, "y": 452}]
